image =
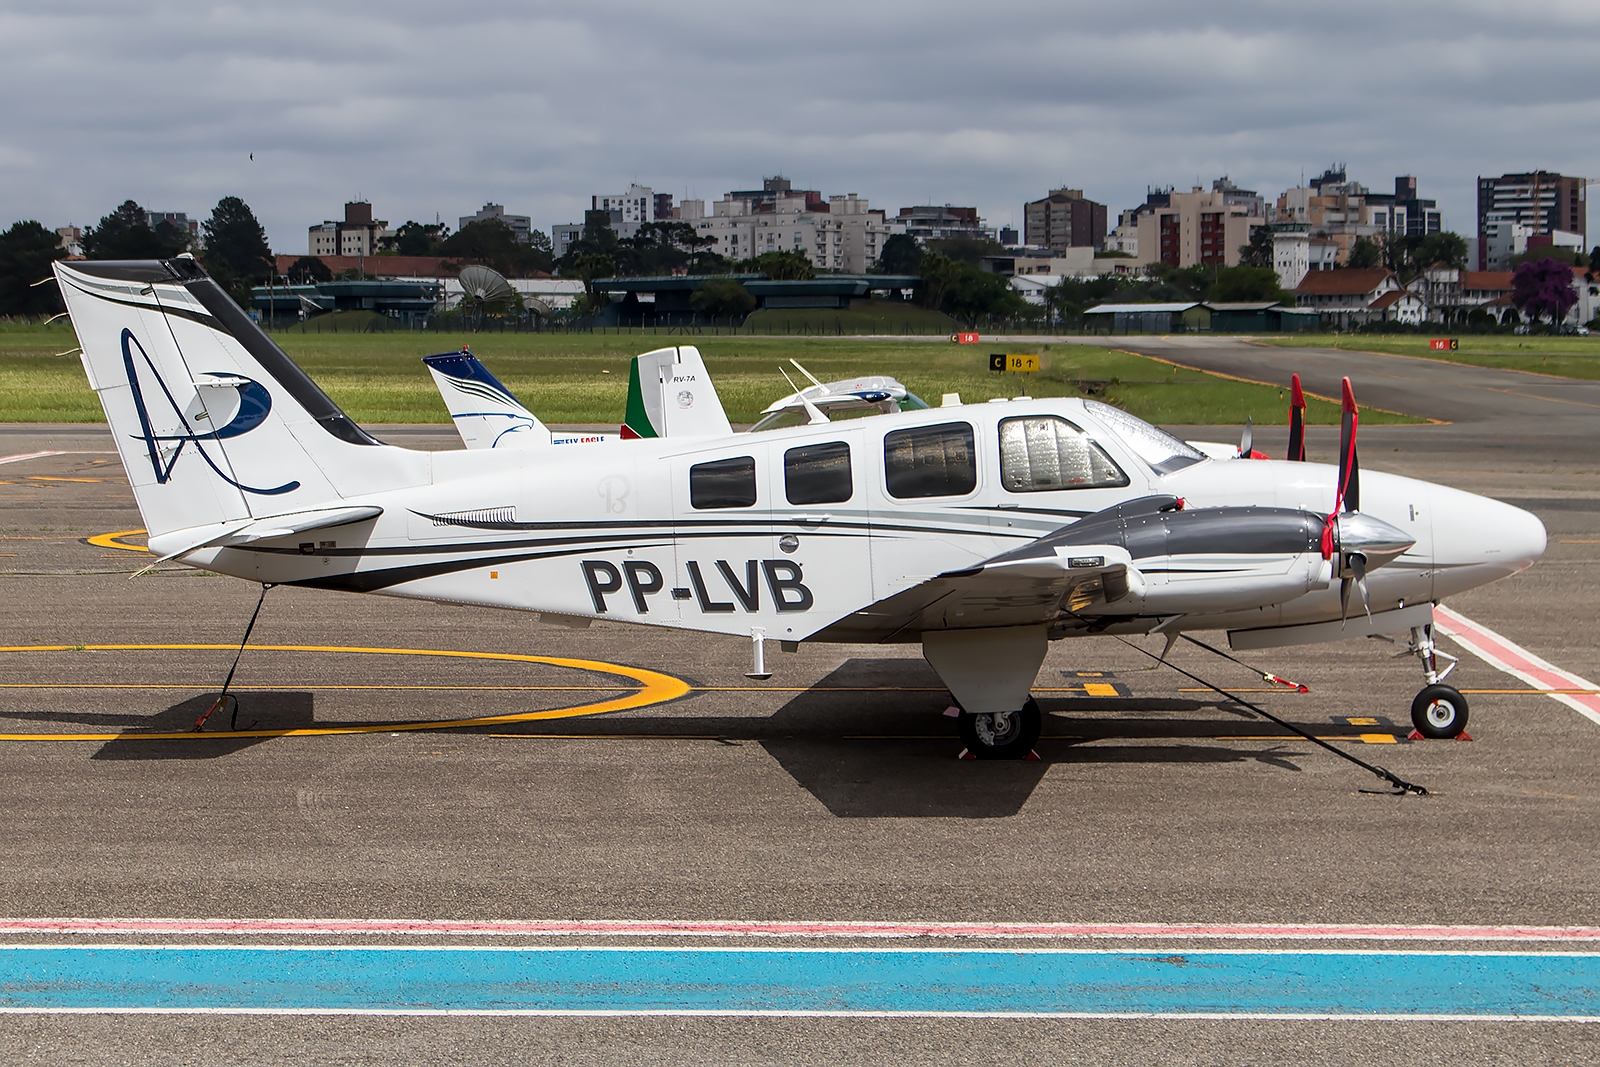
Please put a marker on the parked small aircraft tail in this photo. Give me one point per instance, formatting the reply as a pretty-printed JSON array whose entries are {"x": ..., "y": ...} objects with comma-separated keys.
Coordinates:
[
  {"x": 185, "y": 377},
  {"x": 670, "y": 394},
  {"x": 485, "y": 412}
]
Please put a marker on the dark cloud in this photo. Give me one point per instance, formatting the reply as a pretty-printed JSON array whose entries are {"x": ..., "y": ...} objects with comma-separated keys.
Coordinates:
[{"x": 430, "y": 108}]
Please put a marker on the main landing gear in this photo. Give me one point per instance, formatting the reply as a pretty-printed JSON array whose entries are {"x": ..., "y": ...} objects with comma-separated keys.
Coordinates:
[
  {"x": 1439, "y": 711},
  {"x": 1002, "y": 734}
]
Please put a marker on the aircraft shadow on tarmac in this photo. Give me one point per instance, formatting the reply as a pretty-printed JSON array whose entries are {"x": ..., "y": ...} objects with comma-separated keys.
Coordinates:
[
  {"x": 869, "y": 740},
  {"x": 257, "y": 711}
]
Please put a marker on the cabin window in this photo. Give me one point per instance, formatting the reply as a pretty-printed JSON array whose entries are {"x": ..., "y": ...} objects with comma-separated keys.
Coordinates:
[
  {"x": 1044, "y": 453},
  {"x": 818, "y": 474},
  {"x": 930, "y": 461},
  {"x": 723, "y": 483}
]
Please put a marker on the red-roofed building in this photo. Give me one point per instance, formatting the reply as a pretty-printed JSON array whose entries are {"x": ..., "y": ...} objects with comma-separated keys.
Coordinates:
[
  {"x": 1398, "y": 305},
  {"x": 1344, "y": 297}
]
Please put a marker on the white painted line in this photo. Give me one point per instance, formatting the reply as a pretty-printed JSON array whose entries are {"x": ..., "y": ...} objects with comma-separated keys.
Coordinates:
[
  {"x": 69, "y": 452},
  {"x": 1510, "y": 657},
  {"x": 803, "y": 929}
]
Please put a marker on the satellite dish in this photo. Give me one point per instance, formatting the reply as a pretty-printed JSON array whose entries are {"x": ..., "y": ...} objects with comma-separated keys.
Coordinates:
[{"x": 482, "y": 285}]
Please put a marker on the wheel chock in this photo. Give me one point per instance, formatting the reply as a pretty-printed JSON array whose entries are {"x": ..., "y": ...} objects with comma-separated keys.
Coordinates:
[
  {"x": 1031, "y": 757},
  {"x": 966, "y": 755},
  {"x": 952, "y": 712},
  {"x": 1416, "y": 735}
]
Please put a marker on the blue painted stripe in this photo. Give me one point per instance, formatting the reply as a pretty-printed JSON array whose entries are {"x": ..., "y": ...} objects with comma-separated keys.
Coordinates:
[{"x": 828, "y": 981}]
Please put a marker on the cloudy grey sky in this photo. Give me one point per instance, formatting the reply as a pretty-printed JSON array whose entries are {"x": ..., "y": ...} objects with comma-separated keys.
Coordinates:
[{"x": 434, "y": 108}]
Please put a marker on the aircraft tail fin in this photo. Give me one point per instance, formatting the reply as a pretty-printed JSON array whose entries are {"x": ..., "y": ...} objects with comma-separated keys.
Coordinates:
[
  {"x": 670, "y": 394},
  {"x": 216, "y": 426},
  {"x": 485, "y": 412}
]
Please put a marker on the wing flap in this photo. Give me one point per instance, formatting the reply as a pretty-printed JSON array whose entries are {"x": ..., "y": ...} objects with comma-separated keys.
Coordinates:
[{"x": 1077, "y": 579}]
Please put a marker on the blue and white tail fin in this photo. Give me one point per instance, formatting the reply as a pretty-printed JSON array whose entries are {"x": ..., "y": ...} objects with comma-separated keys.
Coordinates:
[
  {"x": 485, "y": 412},
  {"x": 217, "y": 427}
]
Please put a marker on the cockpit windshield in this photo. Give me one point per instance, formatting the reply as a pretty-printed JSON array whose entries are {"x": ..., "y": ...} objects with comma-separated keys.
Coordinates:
[{"x": 1163, "y": 452}]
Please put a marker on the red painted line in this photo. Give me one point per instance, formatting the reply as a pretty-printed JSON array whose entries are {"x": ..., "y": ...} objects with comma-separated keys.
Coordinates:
[
  {"x": 746, "y": 928},
  {"x": 1510, "y": 657}
]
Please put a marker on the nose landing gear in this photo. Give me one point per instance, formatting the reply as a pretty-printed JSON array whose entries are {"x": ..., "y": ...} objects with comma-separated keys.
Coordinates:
[
  {"x": 1439, "y": 711},
  {"x": 1002, "y": 734}
]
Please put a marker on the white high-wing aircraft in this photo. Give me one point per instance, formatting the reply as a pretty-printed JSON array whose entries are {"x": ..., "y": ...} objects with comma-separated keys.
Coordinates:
[{"x": 983, "y": 531}]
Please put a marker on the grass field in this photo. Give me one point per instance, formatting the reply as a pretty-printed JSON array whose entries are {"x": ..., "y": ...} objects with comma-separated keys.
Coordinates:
[
  {"x": 583, "y": 378},
  {"x": 1567, "y": 357}
]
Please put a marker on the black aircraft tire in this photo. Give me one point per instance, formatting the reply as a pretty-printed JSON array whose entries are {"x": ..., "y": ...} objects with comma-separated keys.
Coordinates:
[
  {"x": 1439, "y": 712},
  {"x": 1016, "y": 738}
]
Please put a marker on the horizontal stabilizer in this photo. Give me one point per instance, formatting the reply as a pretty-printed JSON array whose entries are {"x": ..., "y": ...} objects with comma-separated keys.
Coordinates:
[{"x": 182, "y": 542}]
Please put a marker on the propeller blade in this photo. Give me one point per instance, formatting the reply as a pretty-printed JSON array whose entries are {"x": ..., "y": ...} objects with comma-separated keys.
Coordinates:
[
  {"x": 1348, "y": 497},
  {"x": 1358, "y": 567},
  {"x": 1344, "y": 600},
  {"x": 1247, "y": 439},
  {"x": 1297, "y": 422}
]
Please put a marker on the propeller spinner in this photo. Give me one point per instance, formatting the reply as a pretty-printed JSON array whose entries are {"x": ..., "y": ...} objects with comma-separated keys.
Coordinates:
[{"x": 1362, "y": 541}]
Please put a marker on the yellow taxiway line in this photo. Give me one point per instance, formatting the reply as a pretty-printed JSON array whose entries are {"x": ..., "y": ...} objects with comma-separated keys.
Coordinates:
[
  {"x": 113, "y": 540},
  {"x": 655, "y": 688}
]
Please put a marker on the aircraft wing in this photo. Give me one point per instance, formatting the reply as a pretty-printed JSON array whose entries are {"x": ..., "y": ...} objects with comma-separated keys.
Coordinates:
[{"x": 1004, "y": 591}]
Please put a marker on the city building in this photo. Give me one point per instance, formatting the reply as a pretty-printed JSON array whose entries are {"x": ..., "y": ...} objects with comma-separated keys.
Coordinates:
[
  {"x": 1198, "y": 227},
  {"x": 179, "y": 221},
  {"x": 358, "y": 235},
  {"x": 929, "y": 222},
  {"x": 1295, "y": 252},
  {"x": 1064, "y": 219},
  {"x": 521, "y": 225},
  {"x": 772, "y": 190},
  {"x": 1009, "y": 237},
  {"x": 1044, "y": 264},
  {"x": 636, "y": 205},
  {"x": 1253, "y": 203},
  {"x": 1125, "y": 238},
  {"x": 1346, "y": 298},
  {"x": 1452, "y": 294},
  {"x": 1516, "y": 208},
  {"x": 1344, "y": 211},
  {"x": 70, "y": 239},
  {"x": 840, "y": 234}
]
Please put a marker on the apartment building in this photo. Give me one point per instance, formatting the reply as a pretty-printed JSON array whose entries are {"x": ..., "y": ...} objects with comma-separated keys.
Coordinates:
[
  {"x": 1345, "y": 211},
  {"x": 358, "y": 235},
  {"x": 1514, "y": 208},
  {"x": 1064, "y": 219},
  {"x": 931, "y": 222},
  {"x": 521, "y": 225},
  {"x": 1197, "y": 227},
  {"x": 842, "y": 234}
]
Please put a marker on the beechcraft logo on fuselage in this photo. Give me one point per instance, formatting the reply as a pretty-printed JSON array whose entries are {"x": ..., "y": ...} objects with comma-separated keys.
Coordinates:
[{"x": 255, "y": 401}]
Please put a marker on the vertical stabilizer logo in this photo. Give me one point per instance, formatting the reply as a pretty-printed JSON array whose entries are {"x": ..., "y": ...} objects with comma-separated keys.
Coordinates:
[{"x": 255, "y": 401}]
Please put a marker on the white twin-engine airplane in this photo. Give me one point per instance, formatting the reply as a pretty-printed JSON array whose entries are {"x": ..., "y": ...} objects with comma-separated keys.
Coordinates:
[{"x": 981, "y": 531}]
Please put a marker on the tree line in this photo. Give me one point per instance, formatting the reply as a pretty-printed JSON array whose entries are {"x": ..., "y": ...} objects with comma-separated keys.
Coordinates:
[{"x": 233, "y": 250}]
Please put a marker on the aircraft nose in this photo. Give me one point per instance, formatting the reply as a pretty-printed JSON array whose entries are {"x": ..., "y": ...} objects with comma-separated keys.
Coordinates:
[
  {"x": 1482, "y": 539},
  {"x": 1522, "y": 536}
]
